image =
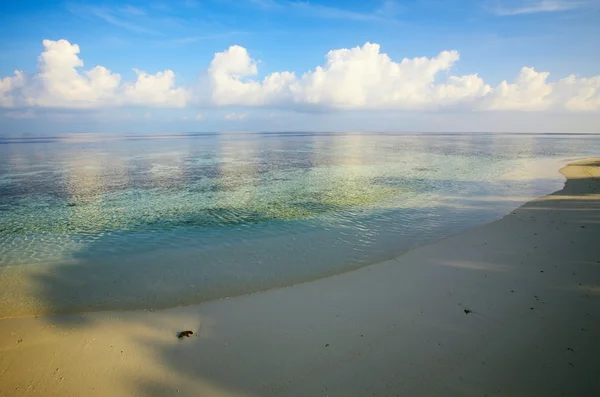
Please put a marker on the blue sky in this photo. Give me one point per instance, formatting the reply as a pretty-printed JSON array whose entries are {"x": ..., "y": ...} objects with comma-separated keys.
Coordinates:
[{"x": 495, "y": 39}]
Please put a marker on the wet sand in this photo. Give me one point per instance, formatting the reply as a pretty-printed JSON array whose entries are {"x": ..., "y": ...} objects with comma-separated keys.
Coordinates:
[{"x": 508, "y": 309}]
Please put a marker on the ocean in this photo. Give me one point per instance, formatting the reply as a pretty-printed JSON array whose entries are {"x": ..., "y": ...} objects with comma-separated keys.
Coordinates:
[{"x": 106, "y": 221}]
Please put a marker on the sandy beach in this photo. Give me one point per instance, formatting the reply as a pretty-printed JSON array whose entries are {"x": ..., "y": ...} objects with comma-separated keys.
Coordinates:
[{"x": 511, "y": 308}]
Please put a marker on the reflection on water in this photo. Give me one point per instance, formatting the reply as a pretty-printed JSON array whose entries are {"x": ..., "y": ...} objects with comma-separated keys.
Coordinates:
[{"x": 206, "y": 215}]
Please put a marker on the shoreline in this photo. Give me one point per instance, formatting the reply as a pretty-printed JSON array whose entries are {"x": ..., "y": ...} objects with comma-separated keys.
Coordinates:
[
  {"x": 507, "y": 308},
  {"x": 49, "y": 289}
]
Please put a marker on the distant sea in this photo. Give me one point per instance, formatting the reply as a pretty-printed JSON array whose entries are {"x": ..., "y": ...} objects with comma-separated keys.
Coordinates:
[{"x": 91, "y": 222}]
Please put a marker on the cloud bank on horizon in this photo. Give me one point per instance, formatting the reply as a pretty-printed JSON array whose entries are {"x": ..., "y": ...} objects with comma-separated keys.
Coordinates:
[{"x": 362, "y": 77}]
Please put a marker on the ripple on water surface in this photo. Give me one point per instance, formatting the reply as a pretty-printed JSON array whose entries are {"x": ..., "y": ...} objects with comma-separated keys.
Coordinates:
[{"x": 159, "y": 221}]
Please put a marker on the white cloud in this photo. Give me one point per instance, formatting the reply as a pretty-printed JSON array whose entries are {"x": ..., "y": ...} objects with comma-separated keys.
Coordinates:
[
  {"x": 356, "y": 78},
  {"x": 532, "y": 92},
  {"x": 61, "y": 83},
  {"x": 226, "y": 72},
  {"x": 578, "y": 94},
  {"x": 529, "y": 92},
  {"x": 361, "y": 77},
  {"x": 157, "y": 89},
  {"x": 365, "y": 78},
  {"x": 8, "y": 85}
]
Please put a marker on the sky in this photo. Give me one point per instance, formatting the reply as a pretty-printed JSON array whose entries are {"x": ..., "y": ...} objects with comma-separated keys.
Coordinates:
[{"x": 291, "y": 65}]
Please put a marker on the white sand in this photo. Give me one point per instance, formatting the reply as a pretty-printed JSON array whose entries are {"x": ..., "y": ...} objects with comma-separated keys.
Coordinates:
[{"x": 532, "y": 281}]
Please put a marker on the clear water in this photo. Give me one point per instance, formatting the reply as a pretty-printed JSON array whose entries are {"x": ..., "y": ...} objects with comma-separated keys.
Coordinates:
[{"x": 91, "y": 222}]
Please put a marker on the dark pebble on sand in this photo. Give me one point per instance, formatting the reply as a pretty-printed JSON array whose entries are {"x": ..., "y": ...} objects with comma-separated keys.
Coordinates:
[{"x": 184, "y": 333}]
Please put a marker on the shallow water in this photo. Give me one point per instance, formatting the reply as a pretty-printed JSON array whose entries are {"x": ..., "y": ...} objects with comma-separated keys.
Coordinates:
[{"x": 93, "y": 222}]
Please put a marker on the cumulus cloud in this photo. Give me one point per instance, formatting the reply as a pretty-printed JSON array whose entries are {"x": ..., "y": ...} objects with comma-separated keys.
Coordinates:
[
  {"x": 60, "y": 82},
  {"x": 533, "y": 92},
  {"x": 228, "y": 73},
  {"x": 529, "y": 92},
  {"x": 7, "y": 86},
  {"x": 365, "y": 78},
  {"x": 155, "y": 89},
  {"x": 362, "y": 77}
]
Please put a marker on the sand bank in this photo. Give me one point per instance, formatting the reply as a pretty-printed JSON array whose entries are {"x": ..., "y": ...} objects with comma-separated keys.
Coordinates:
[{"x": 510, "y": 309}]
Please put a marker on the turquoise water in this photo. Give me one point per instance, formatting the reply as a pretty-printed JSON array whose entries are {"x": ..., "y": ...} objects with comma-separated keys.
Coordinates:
[{"x": 92, "y": 222}]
